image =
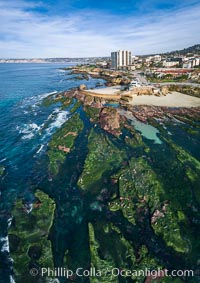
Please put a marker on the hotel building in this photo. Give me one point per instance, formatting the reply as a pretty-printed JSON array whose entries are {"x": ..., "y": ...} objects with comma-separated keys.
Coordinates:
[{"x": 120, "y": 59}]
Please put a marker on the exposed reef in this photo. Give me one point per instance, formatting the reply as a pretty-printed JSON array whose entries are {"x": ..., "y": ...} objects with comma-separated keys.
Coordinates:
[
  {"x": 63, "y": 141},
  {"x": 28, "y": 237},
  {"x": 122, "y": 200},
  {"x": 111, "y": 77}
]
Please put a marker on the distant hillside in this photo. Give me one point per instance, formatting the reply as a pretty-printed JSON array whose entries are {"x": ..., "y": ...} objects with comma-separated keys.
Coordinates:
[
  {"x": 55, "y": 60},
  {"x": 195, "y": 49}
]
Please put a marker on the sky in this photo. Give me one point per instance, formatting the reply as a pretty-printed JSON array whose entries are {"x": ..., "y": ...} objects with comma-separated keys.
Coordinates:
[{"x": 89, "y": 28}]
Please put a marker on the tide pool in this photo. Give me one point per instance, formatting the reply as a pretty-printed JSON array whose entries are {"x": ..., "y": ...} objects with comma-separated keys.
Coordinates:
[{"x": 147, "y": 131}]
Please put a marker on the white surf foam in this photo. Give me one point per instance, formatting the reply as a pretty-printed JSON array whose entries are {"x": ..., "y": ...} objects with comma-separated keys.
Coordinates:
[
  {"x": 55, "y": 120},
  {"x": 34, "y": 100},
  {"x": 5, "y": 244},
  {"x": 28, "y": 130},
  {"x": 61, "y": 118},
  {"x": 12, "y": 279},
  {"x": 10, "y": 221},
  {"x": 40, "y": 149},
  {"x": 62, "y": 71},
  {"x": 42, "y": 96}
]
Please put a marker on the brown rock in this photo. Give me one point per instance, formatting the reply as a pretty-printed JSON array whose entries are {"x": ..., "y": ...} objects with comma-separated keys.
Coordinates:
[
  {"x": 63, "y": 148},
  {"x": 74, "y": 134},
  {"x": 88, "y": 100},
  {"x": 110, "y": 120},
  {"x": 116, "y": 81},
  {"x": 125, "y": 81},
  {"x": 82, "y": 87},
  {"x": 164, "y": 90},
  {"x": 156, "y": 215},
  {"x": 109, "y": 84},
  {"x": 143, "y": 90}
]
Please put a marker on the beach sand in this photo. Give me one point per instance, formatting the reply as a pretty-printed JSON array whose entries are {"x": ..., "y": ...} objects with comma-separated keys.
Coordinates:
[
  {"x": 173, "y": 99},
  {"x": 112, "y": 90}
]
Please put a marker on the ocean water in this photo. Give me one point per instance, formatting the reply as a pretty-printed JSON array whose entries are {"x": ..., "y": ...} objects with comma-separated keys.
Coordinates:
[{"x": 26, "y": 127}]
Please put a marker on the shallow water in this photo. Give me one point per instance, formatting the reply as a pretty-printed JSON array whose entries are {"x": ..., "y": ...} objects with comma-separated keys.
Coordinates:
[{"x": 146, "y": 130}]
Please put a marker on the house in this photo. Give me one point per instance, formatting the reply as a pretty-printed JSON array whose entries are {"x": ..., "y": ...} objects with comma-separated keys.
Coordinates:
[{"x": 172, "y": 62}]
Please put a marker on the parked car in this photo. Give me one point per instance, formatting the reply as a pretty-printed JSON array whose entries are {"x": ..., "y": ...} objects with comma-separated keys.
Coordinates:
[{"x": 134, "y": 84}]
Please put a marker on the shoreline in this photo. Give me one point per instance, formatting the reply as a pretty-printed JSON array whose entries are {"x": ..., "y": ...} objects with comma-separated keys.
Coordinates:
[
  {"x": 172, "y": 99},
  {"x": 144, "y": 95}
]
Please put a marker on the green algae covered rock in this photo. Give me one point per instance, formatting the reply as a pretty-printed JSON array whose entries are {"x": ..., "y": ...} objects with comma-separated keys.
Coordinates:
[
  {"x": 192, "y": 168},
  {"x": 55, "y": 98},
  {"x": 28, "y": 237},
  {"x": 138, "y": 185},
  {"x": 75, "y": 106},
  {"x": 92, "y": 112},
  {"x": 2, "y": 169},
  {"x": 168, "y": 224},
  {"x": 102, "y": 238},
  {"x": 103, "y": 157},
  {"x": 62, "y": 142},
  {"x": 139, "y": 188},
  {"x": 97, "y": 262},
  {"x": 110, "y": 252}
]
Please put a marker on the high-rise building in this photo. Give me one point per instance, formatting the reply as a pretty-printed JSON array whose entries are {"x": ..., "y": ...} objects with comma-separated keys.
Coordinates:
[{"x": 120, "y": 59}]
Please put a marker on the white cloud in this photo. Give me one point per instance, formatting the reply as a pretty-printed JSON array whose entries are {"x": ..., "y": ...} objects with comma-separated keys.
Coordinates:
[{"x": 27, "y": 33}]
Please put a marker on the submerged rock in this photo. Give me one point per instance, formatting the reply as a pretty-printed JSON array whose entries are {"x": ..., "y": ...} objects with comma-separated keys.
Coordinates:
[{"x": 2, "y": 169}]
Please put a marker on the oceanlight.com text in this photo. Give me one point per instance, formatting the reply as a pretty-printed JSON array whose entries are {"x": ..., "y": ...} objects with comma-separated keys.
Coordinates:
[{"x": 113, "y": 272}]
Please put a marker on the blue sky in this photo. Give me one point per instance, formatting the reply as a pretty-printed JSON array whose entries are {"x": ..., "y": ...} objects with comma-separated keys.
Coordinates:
[{"x": 82, "y": 28}]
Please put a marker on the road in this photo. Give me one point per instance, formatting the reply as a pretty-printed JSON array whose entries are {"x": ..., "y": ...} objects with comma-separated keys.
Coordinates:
[
  {"x": 143, "y": 81},
  {"x": 181, "y": 84}
]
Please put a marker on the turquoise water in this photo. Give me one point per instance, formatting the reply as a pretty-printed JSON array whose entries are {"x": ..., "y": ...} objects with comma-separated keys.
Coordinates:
[
  {"x": 147, "y": 131},
  {"x": 114, "y": 105}
]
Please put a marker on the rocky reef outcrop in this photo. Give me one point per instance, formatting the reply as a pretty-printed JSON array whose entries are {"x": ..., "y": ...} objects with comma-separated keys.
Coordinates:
[
  {"x": 190, "y": 90},
  {"x": 28, "y": 238},
  {"x": 82, "y": 87},
  {"x": 148, "y": 90},
  {"x": 110, "y": 120}
]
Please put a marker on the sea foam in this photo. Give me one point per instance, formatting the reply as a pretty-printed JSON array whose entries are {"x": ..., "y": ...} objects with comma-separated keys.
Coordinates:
[{"x": 60, "y": 118}]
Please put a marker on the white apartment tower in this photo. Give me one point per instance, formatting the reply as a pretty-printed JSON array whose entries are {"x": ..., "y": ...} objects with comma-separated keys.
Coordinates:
[{"x": 120, "y": 59}]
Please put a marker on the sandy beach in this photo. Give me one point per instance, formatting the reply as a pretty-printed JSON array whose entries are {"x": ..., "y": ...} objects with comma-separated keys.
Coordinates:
[
  {"x": 112, "y": 90},
  {"x": 173, "y": 99}
]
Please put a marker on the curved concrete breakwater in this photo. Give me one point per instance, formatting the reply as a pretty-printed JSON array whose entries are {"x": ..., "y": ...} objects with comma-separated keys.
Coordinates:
[{"x": 119, "y": 190}]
